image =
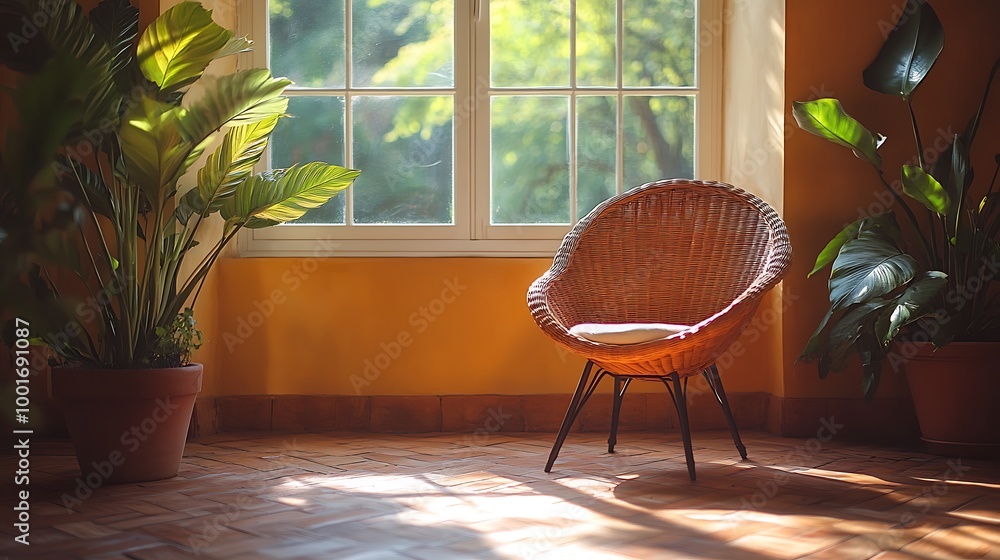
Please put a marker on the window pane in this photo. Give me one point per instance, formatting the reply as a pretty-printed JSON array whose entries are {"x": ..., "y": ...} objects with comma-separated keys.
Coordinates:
[
  {"x": 403, "y": 147},
  {"x": 595, "y": 151},
  {"x": 659, "y": 43},
  {"x": 596, "y": 30},
  {"x": 313, "y": 132},
  {"x": 529, "y": 42},
  {"x": 529, "y": 160},
  {"x": 403, "y": 43},
  {"x": 307, "y": 41},
  {"x": 659, "y": 138}
]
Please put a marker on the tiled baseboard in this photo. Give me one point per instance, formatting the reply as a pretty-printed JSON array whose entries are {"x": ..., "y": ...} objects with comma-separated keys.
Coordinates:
[{"x": 885, "y": 420}]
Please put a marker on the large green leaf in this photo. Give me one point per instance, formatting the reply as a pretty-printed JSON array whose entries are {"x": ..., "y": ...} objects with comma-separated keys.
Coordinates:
[
  {"x": 233, "y": 161},
  {"x": 155, "y": 154},
  {"x": 188, "y": 205},
  {"x": 815, "y": 345},
  {"x": 913, "y": 303},
  {"x": 846, "y": 331},
  {"x": 174, "y": 51},
  {"x": 829, "y": 252},
  {"x": 285, "y": 194},
  {"x": 882, "y": 224},
  {"x": 826, "y": 118},
  {"x": 70, "y": 32},
  {"x": 117, "y": 22},
  {"x": 926, "y": 190},
  {"x": 81, "y": 178},
  {"x": 866, "y": 268},
  {"x": 241, "y": 98},
  {"x": 959, "y": 178},
  {"x": 872, "y": 353},
  {"x": 908, "y": 52}
]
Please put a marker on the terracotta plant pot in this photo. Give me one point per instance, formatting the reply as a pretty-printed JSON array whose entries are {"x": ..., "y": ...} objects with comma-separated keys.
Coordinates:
[
  {"x": 955, "y": 393},
  {"x": 127, "y": 425}
]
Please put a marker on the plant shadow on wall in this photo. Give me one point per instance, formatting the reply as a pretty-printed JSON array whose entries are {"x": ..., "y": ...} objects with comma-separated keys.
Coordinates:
[
  {"x": 98, "y": 244},
  {"x": 928, "y": 278}
]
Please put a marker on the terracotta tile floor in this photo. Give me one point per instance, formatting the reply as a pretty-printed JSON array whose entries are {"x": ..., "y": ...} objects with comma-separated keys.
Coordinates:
[{"x": 485, "y": 497}]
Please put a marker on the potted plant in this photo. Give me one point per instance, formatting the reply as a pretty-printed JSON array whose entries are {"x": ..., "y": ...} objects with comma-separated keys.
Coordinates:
[
  {"x": 917, "y": 294},
  {"x": 104, "y": 255}
]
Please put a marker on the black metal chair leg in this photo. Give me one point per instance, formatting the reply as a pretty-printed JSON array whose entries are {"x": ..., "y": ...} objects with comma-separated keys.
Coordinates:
[
  {"x": 680, "y": 399},
  {"x": 571, "y": 412},
  {"x": 716, "y": 383},
  {"x": 616, "y": 407},
  {"x": 620, "y": 388}
]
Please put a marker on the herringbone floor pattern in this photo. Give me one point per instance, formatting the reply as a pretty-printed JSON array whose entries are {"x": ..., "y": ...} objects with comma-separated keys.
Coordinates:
[{"x": 484, "y": 496}]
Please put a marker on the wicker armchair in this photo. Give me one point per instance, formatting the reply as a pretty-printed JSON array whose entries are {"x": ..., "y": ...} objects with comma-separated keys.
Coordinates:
[{"x": 691, "y": 253}]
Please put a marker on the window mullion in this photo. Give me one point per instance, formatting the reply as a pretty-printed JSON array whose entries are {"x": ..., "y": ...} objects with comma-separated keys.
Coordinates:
[
  {"x": 619, "y": 110},
  {"x": 348, "y": 105},
  {"x": 464, "y": 118},
  {"x": 481, "y": 92},
  {"x": 571, "y": 118}
]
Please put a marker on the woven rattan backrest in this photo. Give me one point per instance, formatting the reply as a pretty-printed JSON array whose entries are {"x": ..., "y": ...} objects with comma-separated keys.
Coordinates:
[{"x": 673, "y": 251}]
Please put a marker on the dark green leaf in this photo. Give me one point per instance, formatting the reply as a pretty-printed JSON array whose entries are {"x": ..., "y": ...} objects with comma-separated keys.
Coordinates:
[
  {"x": 117, "y": 22},
  {"x": 908, "y": 53},
  {"x": 881, "y": 225},
  {"x": 959, "y": 178},
  {"x": 867, "y": 268},
  {"x": 189, "y": 205},
  {"x": 872, "y": 353},
  {"x": 70, "y": 33},
  {"x": 815, "y": 346},
  {"x": 884, "y": 224},
  {"x": 871, "y": 372},
  {"x": 89, "y": 185},
  {"x": 914, "y": 302},
  {"x": 829, "y": 252},
  {"x": 846, "y": 331},
  {"x": 826, "y": 118}
]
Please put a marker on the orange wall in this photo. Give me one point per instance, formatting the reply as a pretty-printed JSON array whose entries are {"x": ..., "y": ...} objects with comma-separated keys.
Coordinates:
[
  {"x": 307, "y": 326},
  {"x": 825, "y": 186}
]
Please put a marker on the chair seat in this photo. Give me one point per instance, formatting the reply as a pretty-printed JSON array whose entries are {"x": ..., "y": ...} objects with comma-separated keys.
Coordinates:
[{"x": 627, "y": 333}]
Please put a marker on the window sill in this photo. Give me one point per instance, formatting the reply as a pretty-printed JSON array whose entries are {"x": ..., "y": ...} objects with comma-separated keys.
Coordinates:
[{"x": 396, "y": 248}]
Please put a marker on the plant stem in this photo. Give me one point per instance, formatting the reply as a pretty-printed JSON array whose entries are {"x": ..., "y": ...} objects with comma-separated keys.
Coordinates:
[
  {"x": 909, "y": 214},
  {"x": 916, "y": 134},
  {"x": 982, "y": 104},
  {"x": 994, "y": 181},
  {"x": 934, "y": 245}
]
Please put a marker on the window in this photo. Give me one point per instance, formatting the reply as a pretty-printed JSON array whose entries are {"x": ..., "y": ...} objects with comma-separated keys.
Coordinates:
[{"x": 483, "y": 127}]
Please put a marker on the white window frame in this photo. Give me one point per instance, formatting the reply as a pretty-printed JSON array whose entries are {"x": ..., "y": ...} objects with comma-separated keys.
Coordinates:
[{"x": 472, "y": 234}]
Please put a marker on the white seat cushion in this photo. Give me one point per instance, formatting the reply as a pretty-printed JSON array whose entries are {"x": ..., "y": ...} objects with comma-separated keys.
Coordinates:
[{"x": 626, "y": 333}]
